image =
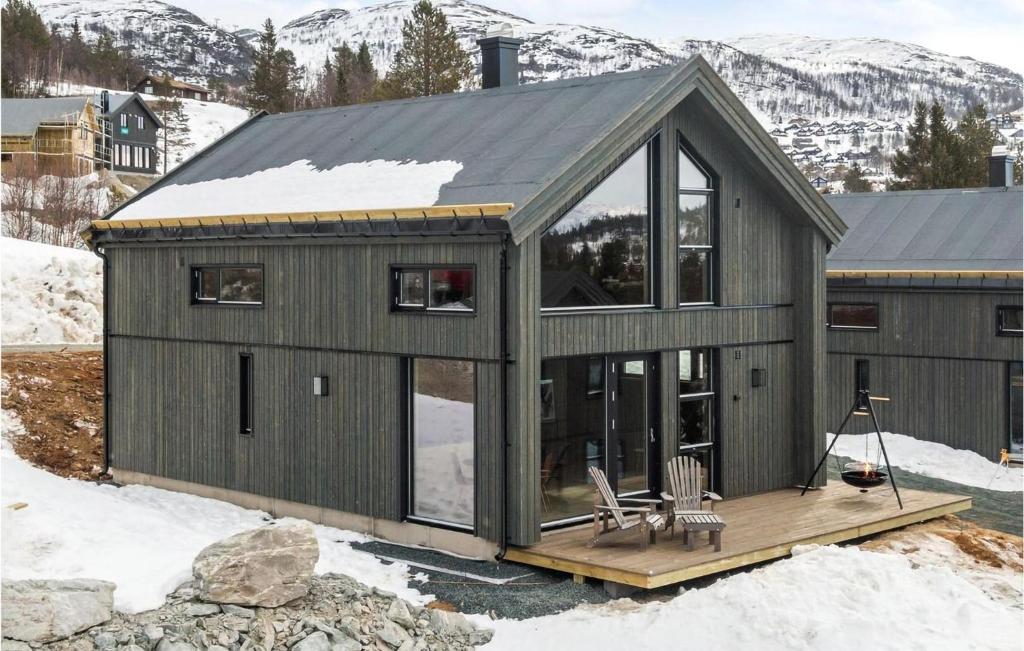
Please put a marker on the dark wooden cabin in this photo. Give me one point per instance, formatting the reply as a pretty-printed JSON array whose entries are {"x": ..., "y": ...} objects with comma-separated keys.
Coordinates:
[
  {"x": 924, "y": 298},
  {"x": 622, "y": 268}
]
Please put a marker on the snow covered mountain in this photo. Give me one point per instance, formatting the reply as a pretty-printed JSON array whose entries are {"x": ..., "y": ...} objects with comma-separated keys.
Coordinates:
[{"x": 164, "y": 37}]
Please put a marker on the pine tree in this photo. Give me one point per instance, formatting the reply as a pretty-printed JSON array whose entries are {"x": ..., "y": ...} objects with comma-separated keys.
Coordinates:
[
  {"x": 344, "y": 65},
  {"x": 974, "y": 144},
  {"x": 263, "y": 92},
  {"x": 177, "y": 132},
  {"x": 854, "y": 181},
  {"x": 26, "y": 43},
  {"x": 430, "y": 61},
  {"x": 911, "y": 164},
  {"x": 942, "y": 172}
]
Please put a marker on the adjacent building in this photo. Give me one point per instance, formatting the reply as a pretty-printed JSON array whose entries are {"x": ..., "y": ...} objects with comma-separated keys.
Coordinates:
[
  {"x": 132, "y": 132},
  {"x": 427, "y": 318},
  {"x": 168, "y": 87},
  {"x": 55, "y": 135},
  {"x": 924, "y": 307}
]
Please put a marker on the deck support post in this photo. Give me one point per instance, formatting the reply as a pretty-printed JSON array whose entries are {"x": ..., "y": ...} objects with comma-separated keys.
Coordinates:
[{"x": 619, "y": 590}]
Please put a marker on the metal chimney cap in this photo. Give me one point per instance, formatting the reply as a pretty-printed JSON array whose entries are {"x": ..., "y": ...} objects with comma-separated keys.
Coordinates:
[{"x": 501, "y": 29}]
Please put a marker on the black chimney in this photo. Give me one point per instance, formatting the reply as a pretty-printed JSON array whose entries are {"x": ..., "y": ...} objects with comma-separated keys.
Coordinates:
[
  {"x": 499, "y": 58},
  {"x": 104, "y": 102},
  {"x": 1000, "y": 168}
]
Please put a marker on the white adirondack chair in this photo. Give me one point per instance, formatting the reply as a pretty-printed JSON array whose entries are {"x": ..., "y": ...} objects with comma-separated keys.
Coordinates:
[
  {"x": 686, "y": 496},
  {"x": 606, "y": 503}
]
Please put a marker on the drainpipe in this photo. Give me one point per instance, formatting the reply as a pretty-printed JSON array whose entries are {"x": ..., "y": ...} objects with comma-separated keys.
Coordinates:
[
  {"x": 503, "y": 328},
  {"x": 98, "y": 250}
]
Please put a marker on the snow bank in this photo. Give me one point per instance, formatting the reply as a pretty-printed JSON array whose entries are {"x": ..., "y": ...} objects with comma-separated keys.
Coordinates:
[
  {"x": 142, "y": 538},
  {"x": 933, "y": 460},
  {"x": 822, "y": 598},
  {"x": 51, "y": 294},
  {"x": 301, "y": 187}
]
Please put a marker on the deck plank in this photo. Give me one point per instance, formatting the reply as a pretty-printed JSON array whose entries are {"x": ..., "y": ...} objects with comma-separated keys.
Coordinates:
[{"x": 758, "y": 528}]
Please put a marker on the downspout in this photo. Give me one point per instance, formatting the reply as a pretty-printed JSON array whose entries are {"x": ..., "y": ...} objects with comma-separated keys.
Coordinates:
[
  {"x": 98, "y": 250},
  {"x": 503, "y": 328}
]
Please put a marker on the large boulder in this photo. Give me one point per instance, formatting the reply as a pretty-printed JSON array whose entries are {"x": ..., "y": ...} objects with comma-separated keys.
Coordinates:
[
  {"x": 268, "y": 567},
  {"x": 49, "y": 610}
]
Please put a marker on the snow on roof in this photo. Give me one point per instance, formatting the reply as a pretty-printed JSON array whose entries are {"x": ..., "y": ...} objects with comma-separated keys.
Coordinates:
[{"x": 300, "y": 187}]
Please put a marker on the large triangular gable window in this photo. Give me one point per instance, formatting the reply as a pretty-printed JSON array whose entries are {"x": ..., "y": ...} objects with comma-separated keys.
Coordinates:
[
  {"x": 598, "y": 255},
  {"x": 696, "y": 231}
]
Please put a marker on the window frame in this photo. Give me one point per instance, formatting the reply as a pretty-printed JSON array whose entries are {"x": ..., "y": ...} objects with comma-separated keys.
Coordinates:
[
  {"x": 395, "y": 272},
  {"x": 124, "y": 121},
  {"x": 140, "y": 123},
  {"x": 653, "y": 156},
  {"x": 245, "y": 394},
  {"x": 711, "y": 399},
  {"x": 683, "y": 147},
  {"x": 194, "y": 280},
  {"x": 408, "y": 418},
  {"x": 828, "y": 316},
  {"x": 1001, "y": 331}
]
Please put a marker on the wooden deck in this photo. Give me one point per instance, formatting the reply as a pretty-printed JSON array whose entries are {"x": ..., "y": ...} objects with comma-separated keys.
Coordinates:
[{"x": 758, "y": 528}]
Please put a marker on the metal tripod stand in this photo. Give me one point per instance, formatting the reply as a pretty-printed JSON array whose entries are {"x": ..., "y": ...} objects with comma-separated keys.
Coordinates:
[{"x": 861, "y": 406}]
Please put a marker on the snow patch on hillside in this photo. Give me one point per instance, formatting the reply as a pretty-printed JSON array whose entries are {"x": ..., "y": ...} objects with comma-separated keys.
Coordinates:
[
  {"x": 932, "y": 460},
  {"x": 51, "y": 294},
  {"x": 301, "y": 187}
]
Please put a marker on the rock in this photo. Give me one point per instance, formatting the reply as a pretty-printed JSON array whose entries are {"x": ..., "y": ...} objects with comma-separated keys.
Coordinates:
[
  {"x": 153, "y": 633},
  {"x": 14, "y": 645},
  {"x": 179, "y": 645},
  {"x": 451, "y": 622},
  {"x": 399, "y": 613},
  {"x": 227, "y": 638},
  {"x": 392, "y": 634},
  {"x": 235, "y": 622},
  {"x": 345, "y": 643},
  {"x": 202, "y": 610},
  {"x": 215, "y": 647},
  {"x": 316, "y": 641},
  {"x": 105, "y": 641},
  {"x": 45, "y": 611},
  {"x": 239, "y": 611},
  {"x": 269, "y": 566},
  {"x": 82, "y": 644},
  {"x": 131, "y": 647}
]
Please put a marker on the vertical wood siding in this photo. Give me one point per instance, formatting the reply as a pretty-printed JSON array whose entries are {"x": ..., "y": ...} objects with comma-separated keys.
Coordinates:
[{"x": 937, "y": 355}]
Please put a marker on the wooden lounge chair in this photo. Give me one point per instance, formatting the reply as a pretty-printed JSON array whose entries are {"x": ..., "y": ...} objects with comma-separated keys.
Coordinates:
[
  {"x": 687, "y": 497},
  {"x": 648, "y": 522}
]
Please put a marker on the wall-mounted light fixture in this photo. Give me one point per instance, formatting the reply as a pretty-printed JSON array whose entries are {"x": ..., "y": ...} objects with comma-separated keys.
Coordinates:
[
  {"x": 320, "y": 385},
  {"x": 758, "y": 377}
]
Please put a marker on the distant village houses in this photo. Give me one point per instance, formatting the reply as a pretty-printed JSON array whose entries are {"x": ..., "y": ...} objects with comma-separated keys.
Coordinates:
[{"x": 168, "y": 87}]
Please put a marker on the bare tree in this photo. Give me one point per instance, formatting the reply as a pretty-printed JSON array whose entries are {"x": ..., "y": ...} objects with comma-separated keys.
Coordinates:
[
  {"x": 20, "y": 185},
  {"x": 68, "y": 205}
]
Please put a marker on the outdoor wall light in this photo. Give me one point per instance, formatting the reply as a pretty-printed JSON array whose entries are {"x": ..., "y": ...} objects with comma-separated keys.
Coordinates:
[
  {"x": 757, "y": 377},
  {"x": 320, "y": 385}
]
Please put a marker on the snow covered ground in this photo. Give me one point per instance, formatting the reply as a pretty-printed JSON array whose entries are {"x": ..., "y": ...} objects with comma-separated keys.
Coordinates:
[
  {"x": 50, "y": 294},
  {"x": 822, "y": 598},
  {"x": 932, "y": 460},
  {"x": 141, "y": 538}
]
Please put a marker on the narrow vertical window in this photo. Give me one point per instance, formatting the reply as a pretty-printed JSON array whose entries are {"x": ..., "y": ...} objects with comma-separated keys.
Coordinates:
[
  {"x": 245, "y": 393},
  {"x": 862, "y": 375},
  {"x": 695, "y": 225},
  {"x": 124, "y": 120},
  {"x": 141, "y": 124}
]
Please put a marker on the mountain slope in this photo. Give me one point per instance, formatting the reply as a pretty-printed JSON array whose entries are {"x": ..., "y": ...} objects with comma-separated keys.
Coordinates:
[{"x": 165, "y": 38}]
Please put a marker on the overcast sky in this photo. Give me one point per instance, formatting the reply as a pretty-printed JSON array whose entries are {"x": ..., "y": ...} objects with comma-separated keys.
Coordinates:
[{"x": 989, "y": 30}]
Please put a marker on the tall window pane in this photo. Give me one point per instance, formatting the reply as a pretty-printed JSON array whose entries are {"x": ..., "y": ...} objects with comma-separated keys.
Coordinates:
[
  {"x": 598, "y": 254},
  {"x": 695, "y": 221},
  {"x": 241, "y": 285},
  {"x": 442, "y": 440},
  {"x": 451, "y": 289},
  {"x": 696, "y": 409}
]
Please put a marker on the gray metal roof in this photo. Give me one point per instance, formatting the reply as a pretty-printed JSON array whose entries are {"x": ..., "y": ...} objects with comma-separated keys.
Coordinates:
[
  {"x": 20, "y": 117},
  {"x": 930, "y": 230},
  {"x": 521, "y": 144}
]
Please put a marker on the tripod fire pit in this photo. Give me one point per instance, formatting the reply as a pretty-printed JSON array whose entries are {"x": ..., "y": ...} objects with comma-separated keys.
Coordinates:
[{"x": 862, "y": 475}]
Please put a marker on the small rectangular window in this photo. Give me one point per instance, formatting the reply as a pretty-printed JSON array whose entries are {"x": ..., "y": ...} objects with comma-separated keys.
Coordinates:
[
  {"x": 124, "y": 119},
  {"x": 434, "y": 289},
  {"x": 140, "y": 123},
  {"x": 245, "y": 393},
  {"x": 227, "y": 285},
  {"x": 1011, "y": 320},
  {"x": 853, "y": 316},
  {"x": 145, "y": 157}
]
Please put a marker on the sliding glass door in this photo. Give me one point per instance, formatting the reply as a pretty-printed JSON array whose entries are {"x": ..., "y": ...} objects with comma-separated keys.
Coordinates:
[
  {"x": 1016, "y": 408},
  {"x": 595, "y": 412}
]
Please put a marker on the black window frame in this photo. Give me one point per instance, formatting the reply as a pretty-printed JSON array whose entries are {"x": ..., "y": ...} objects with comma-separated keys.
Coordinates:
[
  {"x": 653, "y": 146},
  {"x": 245, "y": 394},
  {"x": 831, "y": 326},
  {"x": 712, "y": 193},
  {"x": 396, "y": 271},
  {"x": 408, "y": 420},
  {"x": 1002, "y": 331},
  {"x": 194, "y": 285},
  {"x": 711, "y": 398},
  {"x": 862, "y": 375}
]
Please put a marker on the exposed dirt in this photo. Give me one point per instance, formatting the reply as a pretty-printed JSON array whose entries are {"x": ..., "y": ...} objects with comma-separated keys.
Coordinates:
[
  {"x": 59, "y": 399},
  {"x": 993, "y": 548}
]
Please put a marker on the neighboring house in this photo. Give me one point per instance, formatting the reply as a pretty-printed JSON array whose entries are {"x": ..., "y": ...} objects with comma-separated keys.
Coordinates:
[
  {"x": 428, "y": 318},
  {"x": 819, "y": 182},
  {"x": 924, "y": 298},
  {"x": 132, "y": 135},
  {"x": 60, "y": 135},
  {"x": 165, "y": 86}
]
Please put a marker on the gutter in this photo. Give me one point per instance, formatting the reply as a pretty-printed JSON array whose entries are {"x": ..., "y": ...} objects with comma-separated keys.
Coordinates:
[
  {"x": 98, "y": 250},
  {"x": 503, "y": 327}
]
